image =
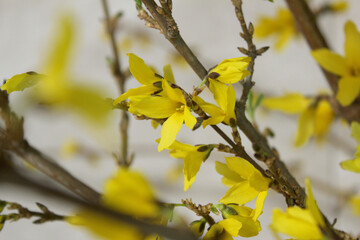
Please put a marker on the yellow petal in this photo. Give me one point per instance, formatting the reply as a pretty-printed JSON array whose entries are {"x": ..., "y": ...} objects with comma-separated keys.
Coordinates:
[
  {"x": 197, "y": 227},
  {"x": 141, "y": 72},
  {"x": 142, "y": 90},
  {"x": 296, "y": 222},
  {"x": 174, "y": 94},
  {"x": 324, "y": 116},
  {"x": 168, "y": 73},
  {"x": 20, "y": 82},
  {"x": 259, "y": 182},
  {"x": 291, "y": 103},
  {"x": 240, "y": 193},
  {"x": 104, "y": 227},
  {"x": 192, "y": 164},
  {"x": 305, "y": 127},
  {"x": 230, "y": 225},
  {"x": 219, "y": 90},
  {"x": 351, "y": 165},
  {"x": 170, "y": 129},
  {"x": 152, "y": 106},
  {"x": 331, "y": 61},
  {"x": 230, "y": 106},
  {"x": 230, "y": 177},
  {"x": 355, "y": 131},
  {"x": 349, "y": 88},
  {"x": 240, "y": 166},
  {"x": 259, "y": 205},
  {"x": 312, "y": 206},
  {"x": 139, "y": 200},
  {"x": 284, "y": 37},
  {"x": 217, "y": 115},
  {"x": 60, "y": 54},
  {"x": 355, "y": 203},
  {"x": 190, "y": 120},
  {"x": 232, "y": 70},
  {"x": 352, "y": 46}
]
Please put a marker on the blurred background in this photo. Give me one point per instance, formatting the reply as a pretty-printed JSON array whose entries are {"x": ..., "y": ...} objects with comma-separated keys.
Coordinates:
[{"x": 211, "y": 29}]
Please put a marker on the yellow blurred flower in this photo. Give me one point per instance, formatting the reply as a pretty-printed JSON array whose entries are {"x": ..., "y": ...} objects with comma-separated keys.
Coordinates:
[
  {"x": 355, "y": 204},
  {"x": 315, "y": 118},
  {"x": 348, "y": 67},
  {"x": 339, "y": 6},
  {"x": 282, "y": 26},
  {"x": 300, "y": 223},
  {"x": 127, "y": 192},
  {"x": 245, "y": 181},
  {"x": 57, "y": 87}
]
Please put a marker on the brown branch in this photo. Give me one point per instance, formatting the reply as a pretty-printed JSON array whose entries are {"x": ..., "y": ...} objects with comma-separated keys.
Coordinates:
[
  {"x": 144, "y": 227},
  {"x": 120, "y": 78},
  {"x": 306, "y": 22},
  {"x": 12, "y": 140}
]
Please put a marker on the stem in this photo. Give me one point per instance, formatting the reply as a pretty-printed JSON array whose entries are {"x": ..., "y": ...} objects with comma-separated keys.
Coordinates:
[{"x": 120, "y": 80}]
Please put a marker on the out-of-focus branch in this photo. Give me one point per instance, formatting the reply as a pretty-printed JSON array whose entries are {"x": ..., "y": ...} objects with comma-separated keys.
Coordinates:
[
  {"x": 120, "y": 78},
  {"x": 145, "y": 227},
  {"x": 12, "y": 140},
  {"x": 306, "y": 22}
]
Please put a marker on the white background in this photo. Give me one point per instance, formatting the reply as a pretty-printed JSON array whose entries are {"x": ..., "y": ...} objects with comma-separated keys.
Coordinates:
[{"x": 211, "y": 29}]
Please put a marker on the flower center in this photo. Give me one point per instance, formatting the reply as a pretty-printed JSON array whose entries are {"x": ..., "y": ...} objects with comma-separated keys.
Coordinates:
[
  {"x": 181, "y": 108},
  {"x": 355, "y": 71}
]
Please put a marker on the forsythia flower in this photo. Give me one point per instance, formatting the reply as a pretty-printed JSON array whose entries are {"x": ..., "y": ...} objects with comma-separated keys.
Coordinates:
[
  {"x": 300, "y": 223},
  {"x": 245, "y": 181},
  {"x": 348, "y": 67},
  {"x": 314, "y": 119},
  {"x": 170, "y": 104},
  {"x": 146, "y": 76},
  {"x": 283, "y": 26},
  {"x": 223, "y": 230},
  {"x": 354, "y": 164},
  {"x": 193, "y": 157},
  {"x": 355, "y": 203},
  {"x": 230, "y": 70},
  {"x": 220, "y": 80},
  {"x": 127, "y": 192},
  {"x": 56, "y": 87}
]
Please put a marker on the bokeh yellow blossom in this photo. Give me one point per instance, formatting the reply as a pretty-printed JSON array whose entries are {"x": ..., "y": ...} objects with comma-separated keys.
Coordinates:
[
  {"x": 347, "y": 67},
  {"x": 315, "y": 116}
]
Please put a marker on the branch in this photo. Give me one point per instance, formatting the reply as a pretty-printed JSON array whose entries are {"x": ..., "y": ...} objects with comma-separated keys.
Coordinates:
[
  {"x": 145, "y": 227},
  {"x": 306, "y": 22},
  {"x": 12, "y": 139},
  {"x": 120, "y": 78}
]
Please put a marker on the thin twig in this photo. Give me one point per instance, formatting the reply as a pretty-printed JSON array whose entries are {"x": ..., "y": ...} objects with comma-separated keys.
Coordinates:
[{"x": 120, "y": 78}]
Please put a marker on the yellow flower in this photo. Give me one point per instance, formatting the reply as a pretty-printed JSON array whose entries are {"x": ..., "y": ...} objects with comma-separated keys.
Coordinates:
[
  {"x": 339, "y": 6},
  {"x": 300, "y": 223},
  {"x": 193, "y": 157},
  {"x": 314, "y": 119},
  {"x": 145, "y": 75},
  {"x": 57, "y": 87},
  {"x": 355, "y": 203},
  {"x": 282, "y": 26},
  {"x": 127, "y": 192},
  {"x": 170, "y": 104},
  {"x": 230, "y": 70},
  {"x": 245, "y": 181},
  {"x": 348, "y": 67},
  {"x": 223, "y": 230},
  {"x": 197, "y": 227},
  {"x": 353, "y": 165}
]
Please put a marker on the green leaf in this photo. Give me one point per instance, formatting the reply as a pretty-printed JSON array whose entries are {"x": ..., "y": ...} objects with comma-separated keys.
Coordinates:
[
  {"x": 259, "y": 100},
  {"x": 138, "y": 4},
  {"x": 21, "y": 81},
  {"x": 2, "y": 205}
]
